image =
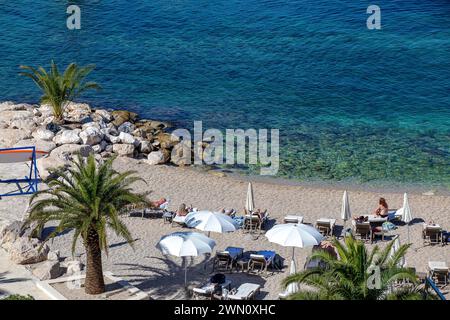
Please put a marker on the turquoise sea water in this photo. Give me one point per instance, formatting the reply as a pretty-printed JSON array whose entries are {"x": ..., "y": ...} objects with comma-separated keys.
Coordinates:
[{"x": 350, "y": 103}]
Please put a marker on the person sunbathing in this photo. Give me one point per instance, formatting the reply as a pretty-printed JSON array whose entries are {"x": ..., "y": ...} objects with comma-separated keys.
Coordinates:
[
  {"x": 159, "y": 202},
  {"x": 182, "y": 210},
  {"x": 228, "y": 212},
  {"x": 261, "y": 214},
  {"x": 361, "y": 219},
  {"x": 382, "y": 209}
]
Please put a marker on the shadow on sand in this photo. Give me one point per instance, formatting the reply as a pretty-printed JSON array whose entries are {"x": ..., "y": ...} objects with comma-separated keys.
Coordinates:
[{"x": 168, "y": 281}]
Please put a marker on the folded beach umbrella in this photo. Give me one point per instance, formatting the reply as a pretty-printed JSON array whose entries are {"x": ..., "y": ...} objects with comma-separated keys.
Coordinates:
[
  {"x": 394, "y": 249},
  {"x": 345, "y": 209},
  {"x": 294, "y": 235},
  {"x": 186, "y": 244},
  {"x": 407, "y": 215},
  {"x": 249, "y": 202},
  {"x": 210, "y": 221}
]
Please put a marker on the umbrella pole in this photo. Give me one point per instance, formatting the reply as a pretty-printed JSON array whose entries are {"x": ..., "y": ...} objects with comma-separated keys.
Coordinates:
[
  {"x": 408, "y": 234},
  {"x": 185, "y": 273},
  {"x": 206, "y": 255}
]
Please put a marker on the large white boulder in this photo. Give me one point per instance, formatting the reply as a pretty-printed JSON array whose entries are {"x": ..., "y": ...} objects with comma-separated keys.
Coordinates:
[
  {"x": 77, "y": 112},
  {"x": 127, "y": 138},
  {"x": 127, "y": 127},
  {"x": 91, "y": 136},
  {"x": 48, "y": 164},
  {"x": 47, "y": 270},
  {"x": 103, "y": 114},
  {"x": 12, "y": 115},
  {"x": 112, "y": 139},
  {"x": 40, "y": 145},
  {"x": 145, "y": 146},
  {"x": 67, "y": 152},
  {"x": 23, "y": 124},
  {"x": 61, "y": 157},
  {"x": 155, "y": 157},
  {"x": 68, "y": 137},
  {"x": 9, "y": 233},
  {"x": 74, "y": 267},
  {"x": 123, "y": 149},
  {"x": 181, "y": 154},
  {"x": 9, "y": 137},
  {"x": 28, "y": 250},
  {"x": 43, "y": 134}
]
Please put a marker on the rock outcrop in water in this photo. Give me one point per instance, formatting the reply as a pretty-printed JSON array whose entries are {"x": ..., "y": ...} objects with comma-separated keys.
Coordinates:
[{"x": 87, "y": 131}]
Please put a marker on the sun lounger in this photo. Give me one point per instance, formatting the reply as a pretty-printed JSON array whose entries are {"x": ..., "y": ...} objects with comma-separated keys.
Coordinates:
[
  {"x": 246, "y": 291},
  {"x": 180, "y": 220},
  {"x": 207, "y": 290},
  {"x": 326, "y": 226},
  {"x": 395, "y": 215},
  {"x": 254, "y": 222},
  {"x": 363, "y": 230},
  {"x": 226, "y": 259},
  {"x": 293, "y": 219},
  {"x": 432, "y": 234},
  {"x": 439, "y": 272},
  {"x": 261, "y": 261}
]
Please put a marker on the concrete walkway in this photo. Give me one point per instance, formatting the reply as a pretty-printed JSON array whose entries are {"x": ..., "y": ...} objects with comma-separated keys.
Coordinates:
[{"x": 15, "y": 279}]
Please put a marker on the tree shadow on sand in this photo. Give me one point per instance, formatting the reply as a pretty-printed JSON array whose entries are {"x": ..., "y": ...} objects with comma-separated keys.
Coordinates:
[
  {"x": 167, "y": 281},
  {"x": 4, "y": 280}
]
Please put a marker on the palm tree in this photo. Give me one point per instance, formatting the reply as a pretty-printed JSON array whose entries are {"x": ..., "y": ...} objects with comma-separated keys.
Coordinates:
[
  {"x": 87, "y": 198},
  {"x": 59, "y": 89},
  {"x": 350, "y": 276}
]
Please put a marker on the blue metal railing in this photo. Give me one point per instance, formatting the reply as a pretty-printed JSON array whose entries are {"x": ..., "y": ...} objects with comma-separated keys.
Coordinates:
[
  {"x": 430, "y": 283},
  {"x": 29, "y": 184}
]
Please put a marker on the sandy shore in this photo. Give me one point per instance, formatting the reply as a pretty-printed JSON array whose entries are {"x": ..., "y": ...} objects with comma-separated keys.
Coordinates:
[{"x": 162, "y": 277}]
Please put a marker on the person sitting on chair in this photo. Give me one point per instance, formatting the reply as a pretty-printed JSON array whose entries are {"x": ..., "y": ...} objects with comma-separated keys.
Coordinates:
[{"x": 382, "y": 209}]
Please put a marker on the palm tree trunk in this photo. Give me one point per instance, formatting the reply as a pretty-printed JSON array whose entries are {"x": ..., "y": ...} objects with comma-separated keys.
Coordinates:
[{"x": 94, "y": 282}]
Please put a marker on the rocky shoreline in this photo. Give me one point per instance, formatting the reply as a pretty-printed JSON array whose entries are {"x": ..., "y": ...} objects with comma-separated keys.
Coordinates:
[{"x": 85, "y": 131}]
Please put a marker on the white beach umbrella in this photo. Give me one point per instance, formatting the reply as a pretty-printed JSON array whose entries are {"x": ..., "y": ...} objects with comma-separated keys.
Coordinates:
[
  {"x": 407, "y": 215},
  {"x": 294, "y": 235},
  {"x": 186, "y": 244},
  {"x": 345, "y": 209},
  {"x": 249, "y": 202},
  {"x": 210, "y": 221},
  {"x": 394, "y": 249}
]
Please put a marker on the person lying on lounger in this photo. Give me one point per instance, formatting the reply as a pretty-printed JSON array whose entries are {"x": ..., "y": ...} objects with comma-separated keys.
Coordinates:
[
  {"x": 159, "y": 202},
  {"x": 182, "y": 210}
]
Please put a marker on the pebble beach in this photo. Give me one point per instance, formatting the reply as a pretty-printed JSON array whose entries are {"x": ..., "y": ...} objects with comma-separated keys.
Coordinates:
[{"x": 162, "y": 276}]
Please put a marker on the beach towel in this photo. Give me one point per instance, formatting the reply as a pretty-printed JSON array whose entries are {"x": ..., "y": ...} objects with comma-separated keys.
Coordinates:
[
  {"x": 388, "y": 226},
  {"x": 239, "y": 221}
]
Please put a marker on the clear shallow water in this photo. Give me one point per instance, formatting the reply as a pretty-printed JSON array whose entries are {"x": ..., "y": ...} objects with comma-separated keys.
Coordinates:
[{"x": 350, "y": 103}]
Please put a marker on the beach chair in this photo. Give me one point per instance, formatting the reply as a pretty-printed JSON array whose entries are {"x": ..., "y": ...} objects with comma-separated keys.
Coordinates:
[
  {"x": 252, "y": 223},
  {"x": 364, "y": 231},
  {"x": 258, "y": 263},
  {"x": 225, "y": 260},
  {"x": 293, "y": 219},
  {"x": 168, "y": 217},
  {"x": 432, "y": 234},
  {"x": 439, "y": 272},
  {"x": 326, "y": 226},
  {"x": 208, "y": 289},
  {"x": 179, "y": 220},
  {"x": 261, "y": 261},
  {"x": 246, "y": 291}
]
